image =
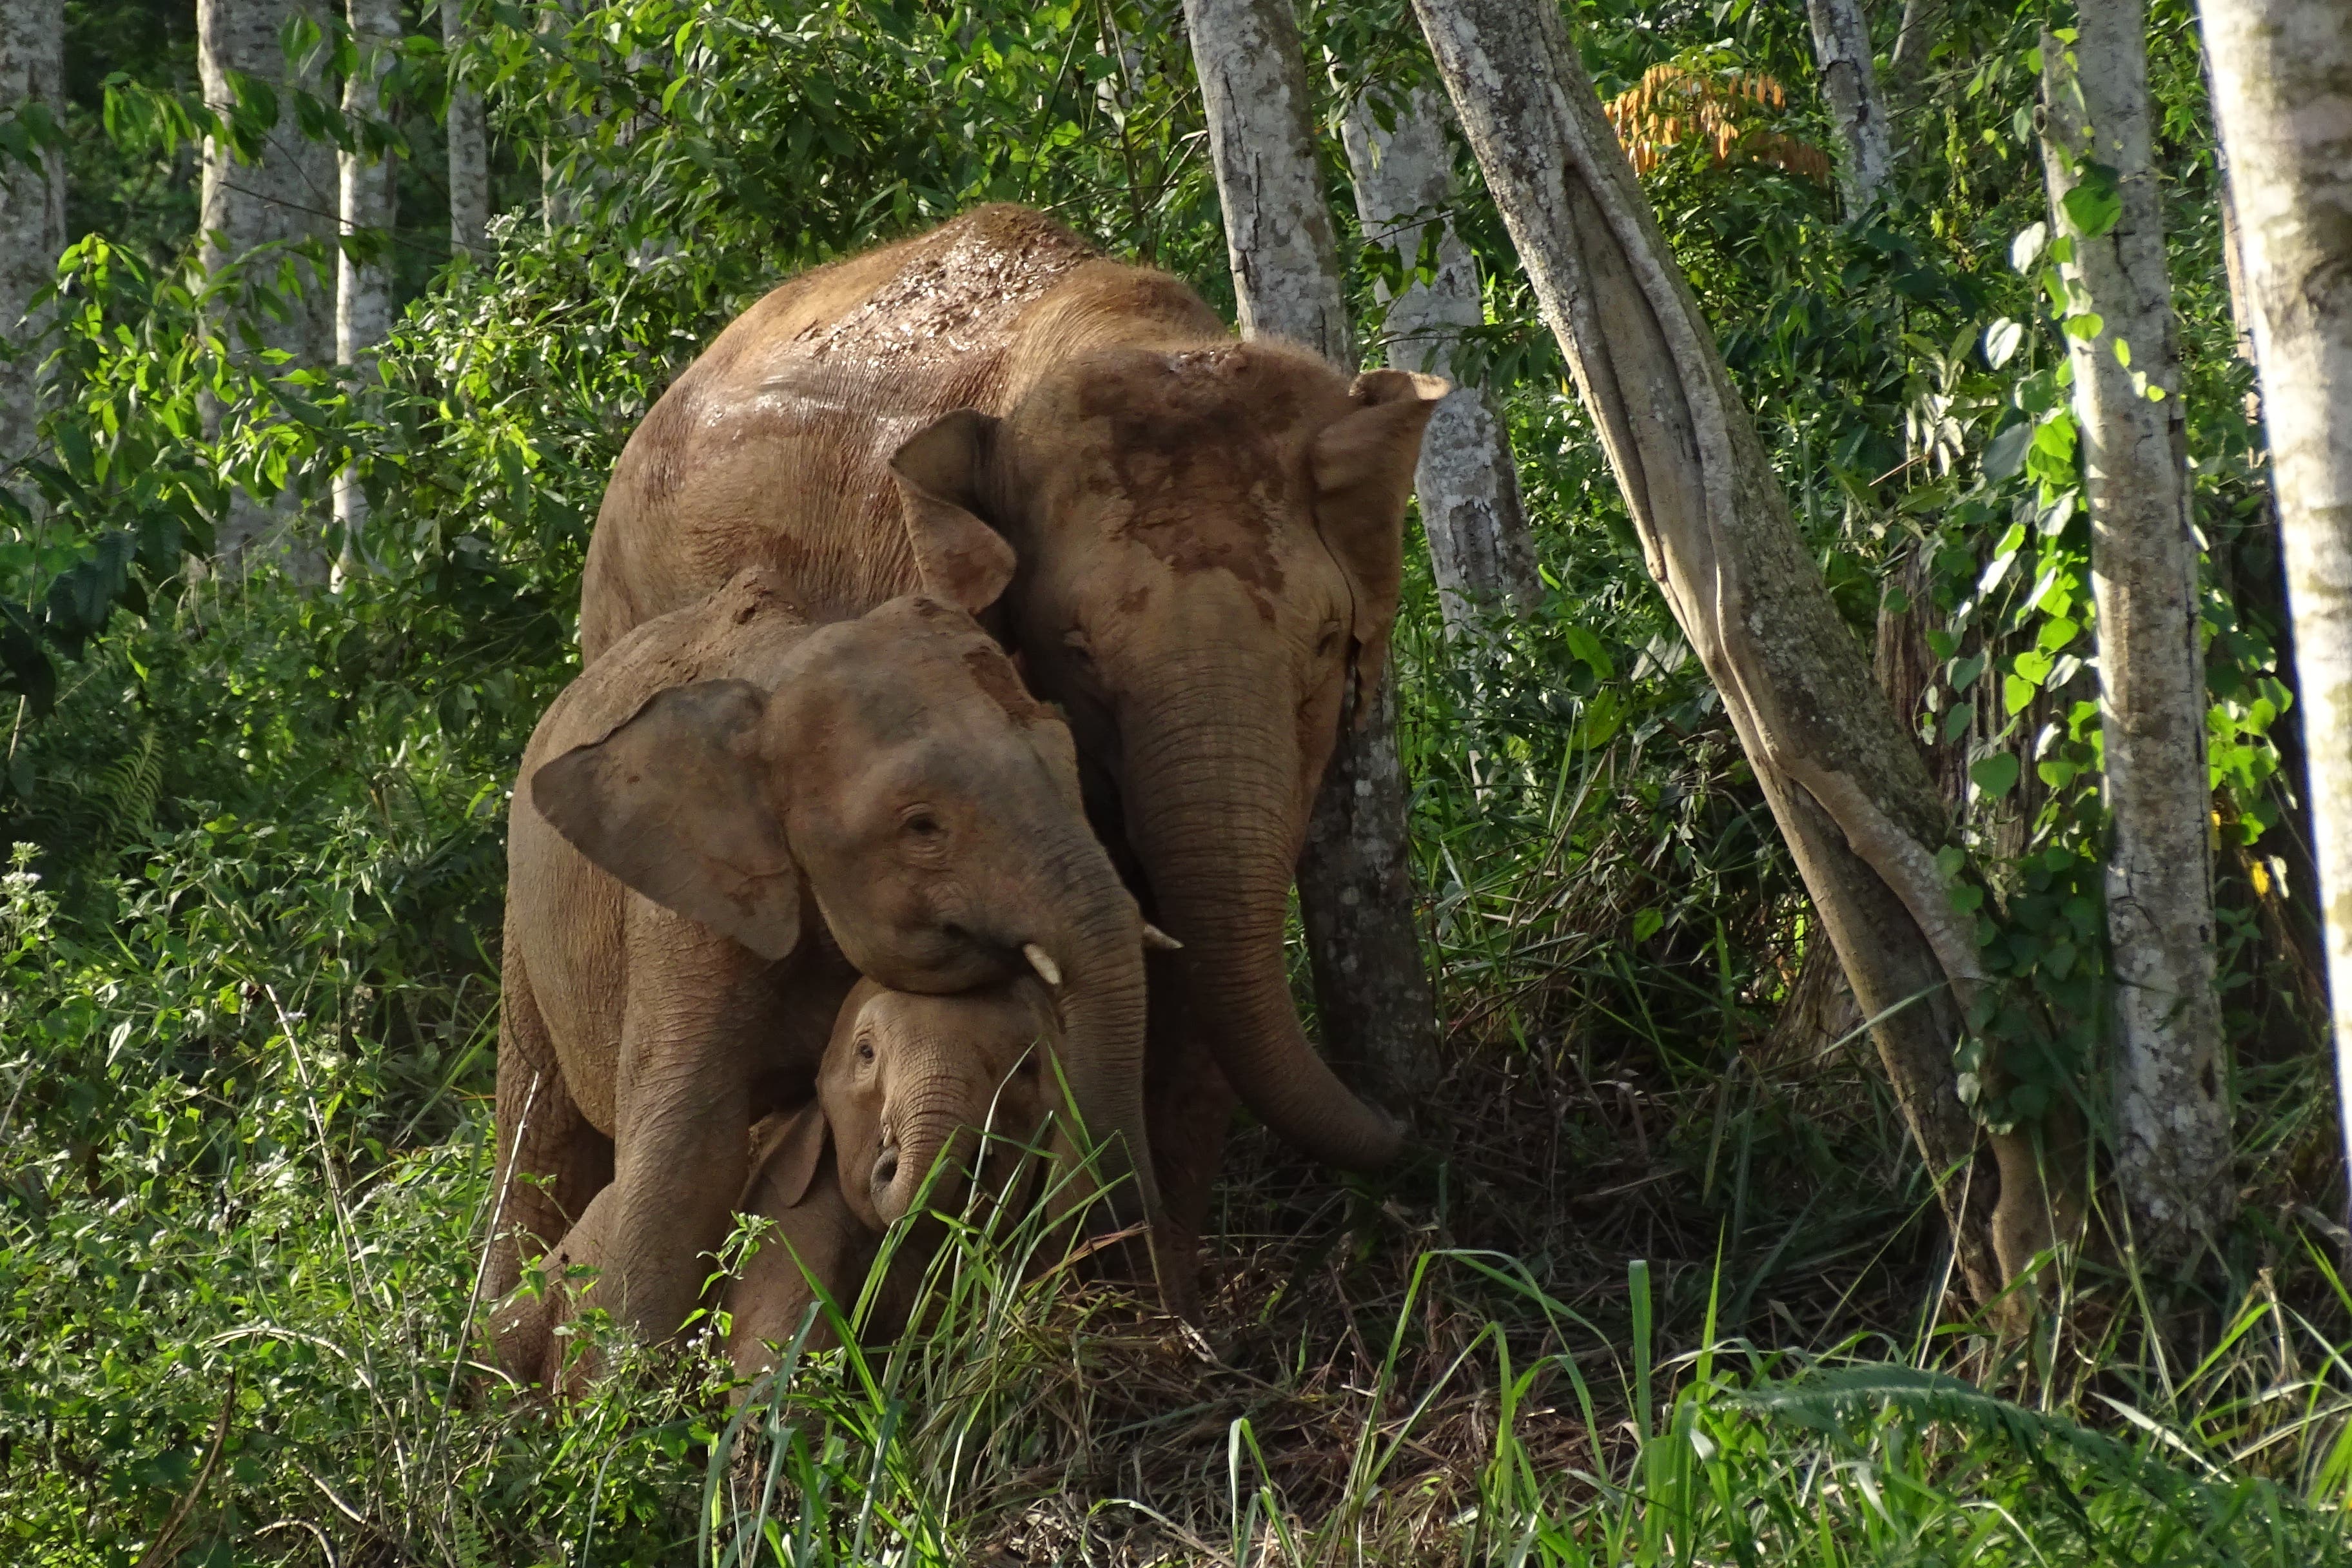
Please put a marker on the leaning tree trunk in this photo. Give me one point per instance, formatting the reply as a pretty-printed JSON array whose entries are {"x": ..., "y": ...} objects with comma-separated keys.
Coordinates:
[
  {"x": 1355, "y": 879},
  {"x": 363, "y": 287},
  {"x": 287, "y": 197},
  {"x": 1842, "y": 55},
  {"x": 1844, "y": 780},
  {"x": 469, "y": 145},
  {"x": 2172, "y": 1117},
  {"x": 1468, "y": 486},
  {"x": 32, "y": 212},
  {"x": 2282, "y": 95}
]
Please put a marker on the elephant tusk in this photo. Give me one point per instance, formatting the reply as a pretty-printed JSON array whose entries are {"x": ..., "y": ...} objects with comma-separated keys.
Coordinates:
[
  {"x": 1154, "y": 937},
  {"x": 1043, "y": 963}
]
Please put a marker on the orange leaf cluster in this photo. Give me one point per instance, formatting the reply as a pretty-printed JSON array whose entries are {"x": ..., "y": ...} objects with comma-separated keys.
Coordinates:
[{"x": 1672, "y": 104}]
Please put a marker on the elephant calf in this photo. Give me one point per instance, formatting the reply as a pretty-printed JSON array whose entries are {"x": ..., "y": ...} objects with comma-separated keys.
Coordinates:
[
  {"x": 907, "y": 1081},
  {"x": 723, "y": 822}
]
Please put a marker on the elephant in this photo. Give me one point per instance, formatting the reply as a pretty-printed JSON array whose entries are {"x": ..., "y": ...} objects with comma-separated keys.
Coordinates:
[
  {"x": 717, "y": 826},
  {"x": 1209, "y": 544},
  {"x": 909, "y": 1081}
]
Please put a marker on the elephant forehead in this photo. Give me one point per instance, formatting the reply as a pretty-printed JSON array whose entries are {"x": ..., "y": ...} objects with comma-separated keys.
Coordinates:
[{"x": 1003, "y": 1018}]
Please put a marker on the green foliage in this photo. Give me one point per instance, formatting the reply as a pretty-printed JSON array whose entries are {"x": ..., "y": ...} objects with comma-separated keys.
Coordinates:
[{"x": 246, "y": 977}]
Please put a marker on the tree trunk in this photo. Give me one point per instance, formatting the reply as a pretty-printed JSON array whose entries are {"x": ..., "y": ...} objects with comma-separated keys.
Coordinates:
[
  {"x": 284, "y": 199},
  {"x": 2172, "y": 1115},
  {"x": 32, "y": 212},
  {"x": 469, "y": 146},
  {"x": 1480, "y": 550},
  {"x": 1842, "y": 54},
  {"x": 364, "y": 288},
  {"x": 1355, "y": 879},
  {"x": 1844, "y": 779},
  {"x": 1922, "y": 20},
  {"x": 2282, "y": 95}
]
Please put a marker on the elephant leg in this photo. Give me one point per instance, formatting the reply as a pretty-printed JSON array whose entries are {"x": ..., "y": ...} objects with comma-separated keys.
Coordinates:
[
  {"x": 691, "y": 1042},
  {"x": 1191, "y": 1108},
  {"x": 551, "y": 1161}
]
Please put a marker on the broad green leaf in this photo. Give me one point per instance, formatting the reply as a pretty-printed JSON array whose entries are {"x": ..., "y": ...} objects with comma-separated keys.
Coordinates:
[
  {"x": 2001, "y": 339},
  {"x": 2096, "y": 203},
  {"x": 1995, "y": 775}
]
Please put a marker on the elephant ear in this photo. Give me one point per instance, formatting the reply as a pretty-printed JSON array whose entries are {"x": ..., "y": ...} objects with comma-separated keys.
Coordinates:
[
  {"x": 961, "y": 559},
  {"x": 1363, "y": 464},
  {"x": 785, "y": 1153},
  {"x": 670, "y": 802}
]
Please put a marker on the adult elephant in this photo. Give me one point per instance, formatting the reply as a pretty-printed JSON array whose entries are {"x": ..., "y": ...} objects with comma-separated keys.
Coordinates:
[{"x": 1209, "y": 542}]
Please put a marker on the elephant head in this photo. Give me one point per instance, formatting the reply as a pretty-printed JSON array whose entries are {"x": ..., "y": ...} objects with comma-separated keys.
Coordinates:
[
  {"x": 909, "y": 1079},
  {"x": 1210, "y": 546},
  {"x": 889, "y": 774}
]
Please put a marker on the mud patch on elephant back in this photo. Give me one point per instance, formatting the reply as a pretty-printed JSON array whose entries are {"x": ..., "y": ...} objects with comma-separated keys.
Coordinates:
[
  {"x": 994, "y": 673},
  {"x": 963, "y": 287}
]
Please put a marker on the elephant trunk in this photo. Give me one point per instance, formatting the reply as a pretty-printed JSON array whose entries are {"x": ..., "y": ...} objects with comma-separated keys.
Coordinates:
[
  {"x": 1085, "y": 923},
  {"x": 1218, "y": 814}
]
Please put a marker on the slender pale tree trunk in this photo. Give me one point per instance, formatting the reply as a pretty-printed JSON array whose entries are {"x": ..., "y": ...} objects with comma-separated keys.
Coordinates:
[
  {"x": 1922, "y": 20},
  {"x": 364, "y": 288},
  {"x": 1842, "y": 55},
  {"x": 1844, "y": 780},
  {"x": 251, "y": 216},
  {"x": 32, "y": 213},
  {"x": 1480, "y": 550},
  {"x": 1355, "y": 879},
  {"x": 2172, "y": 1117},
  {"x": 2282, "y": 94},
  {"x": 468, "y": 130}
]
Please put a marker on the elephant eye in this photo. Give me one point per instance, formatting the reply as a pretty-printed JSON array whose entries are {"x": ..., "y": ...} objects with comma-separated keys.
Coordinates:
[
  {"x": 921, "y": 824},
  {"x": 1075, "y": 640},
  {"x": 1329, "y": 640},
  {"x": 865, "y": 1050}
]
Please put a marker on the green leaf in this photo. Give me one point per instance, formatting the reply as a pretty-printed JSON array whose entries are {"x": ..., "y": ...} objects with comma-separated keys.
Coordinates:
[
  {"x": 2096, "y": 203},
  {"x": 1586, "y": 647},
  {"x": 2086, "y": 326},
  {"x": 2005, "y": 453},
  {"x": 2001, "y": 339},
  {"x": 1995, "y": 775},
  {"x": 2027, "y": 247},
  {"x": 1646, "y": 924}
]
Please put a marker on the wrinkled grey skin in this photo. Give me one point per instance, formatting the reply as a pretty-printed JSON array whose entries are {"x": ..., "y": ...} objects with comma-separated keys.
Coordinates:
[{"x": 723, "y": 821}]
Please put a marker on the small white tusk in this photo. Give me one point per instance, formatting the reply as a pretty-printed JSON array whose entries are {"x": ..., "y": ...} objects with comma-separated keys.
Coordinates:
[
  {"x": 1043, "y": 963},
  {"x": 1154, "y": 937}
]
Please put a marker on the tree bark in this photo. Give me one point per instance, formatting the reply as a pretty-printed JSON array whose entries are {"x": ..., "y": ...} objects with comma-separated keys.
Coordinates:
[
  {"x": 1843, "y": 777},
  {"x": 1355, "y": 877},
  {"x": 32, "y": 213},
  {"x": 289, "y": 196},
  {"x": 364, "y": 288},
  {"x": 1922, "y": 20},
  {"x": 2282, "y": 95},
  {"x": 2172, "y": 1115},
  {"x": 1842, "y": 54},
  {"x": 1468, "y": 486},
  {"x": 468, "y": 129}
]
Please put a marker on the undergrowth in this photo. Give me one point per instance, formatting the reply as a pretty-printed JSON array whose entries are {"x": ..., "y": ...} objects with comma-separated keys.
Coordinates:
[
  {"x": 244, "y": 1159},
  {"x": 1667, "y": 1285}
]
